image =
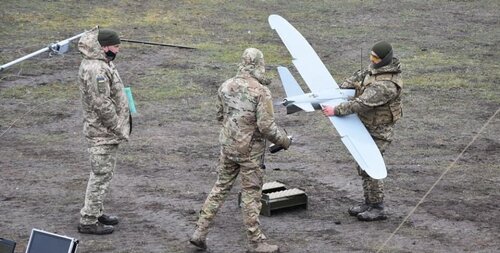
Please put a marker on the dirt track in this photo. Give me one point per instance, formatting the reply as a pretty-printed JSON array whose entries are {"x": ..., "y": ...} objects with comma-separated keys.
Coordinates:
[{"x": 450, "y": 56}]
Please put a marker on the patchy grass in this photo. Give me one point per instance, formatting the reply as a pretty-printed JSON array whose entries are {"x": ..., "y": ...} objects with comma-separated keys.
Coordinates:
[
  {"x": 47, "y": 139},
  {"x": 449, "y": 51},
  {"x": 442, "y": 70},
  {"x": 161, "y": 84},
  {"x": 44, "y": 92},
  {"x": 162, "y": 93}
]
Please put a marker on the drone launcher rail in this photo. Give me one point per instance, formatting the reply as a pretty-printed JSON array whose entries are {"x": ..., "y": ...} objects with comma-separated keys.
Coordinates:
[{"x": 60, "y": 47}]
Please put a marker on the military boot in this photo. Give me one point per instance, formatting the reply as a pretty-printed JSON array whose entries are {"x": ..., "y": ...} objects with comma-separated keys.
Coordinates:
[
  {"x": 199, "y": 238},
  {"x": 108, "y": 219},
  {"x": 95, "y": 229},
  {"x": 357, "y": 209},
  {"x": 373, "y": 213},
  {"x": 262, "y": 247}
]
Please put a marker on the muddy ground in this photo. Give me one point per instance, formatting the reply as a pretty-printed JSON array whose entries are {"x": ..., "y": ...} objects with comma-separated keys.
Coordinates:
[{"x": 447, "y": 144}]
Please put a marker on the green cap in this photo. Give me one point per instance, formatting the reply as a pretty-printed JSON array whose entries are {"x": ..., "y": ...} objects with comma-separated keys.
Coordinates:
[
  {"x": 382, "y": 49},
  {"x": 108, "y": 38}
]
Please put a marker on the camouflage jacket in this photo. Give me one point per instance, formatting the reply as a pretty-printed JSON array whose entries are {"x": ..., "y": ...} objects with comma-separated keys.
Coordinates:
[
  {"x": 377, "y": 100},
  {"x": 245, "y": 110},
  {"x": 105, "y": 105}
]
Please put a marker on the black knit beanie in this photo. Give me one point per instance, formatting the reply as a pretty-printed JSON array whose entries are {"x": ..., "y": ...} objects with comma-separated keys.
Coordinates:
[
  {"x": 108, "y": 38},
  {"x": 384, "y": 51}
]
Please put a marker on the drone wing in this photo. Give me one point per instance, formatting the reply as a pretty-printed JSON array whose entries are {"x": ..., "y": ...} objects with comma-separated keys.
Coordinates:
[{"x": 317, "y": 77}]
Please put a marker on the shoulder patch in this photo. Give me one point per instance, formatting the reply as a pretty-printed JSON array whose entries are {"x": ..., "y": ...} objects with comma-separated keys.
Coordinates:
[
  {"x": 102, "y": 84},
  {"x": 101, "y": 79}
]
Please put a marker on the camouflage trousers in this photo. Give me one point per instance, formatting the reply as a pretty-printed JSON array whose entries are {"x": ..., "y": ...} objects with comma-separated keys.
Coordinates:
[
  {"x": 102, "y": 162},
  {"x": 373, "y": 189},
  {"x": 251, "y": 184}
]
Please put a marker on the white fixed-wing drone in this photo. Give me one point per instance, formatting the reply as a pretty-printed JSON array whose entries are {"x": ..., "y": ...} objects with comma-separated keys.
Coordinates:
[{"x": 324, "y": 91}]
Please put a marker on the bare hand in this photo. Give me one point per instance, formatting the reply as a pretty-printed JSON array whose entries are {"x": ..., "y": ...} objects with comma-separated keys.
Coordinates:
[{"x": 328, "y": 110}]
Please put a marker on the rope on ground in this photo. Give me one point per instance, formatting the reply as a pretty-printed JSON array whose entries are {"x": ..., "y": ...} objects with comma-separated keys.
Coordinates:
[
  {"x": 437, "y": 181},
  {"x": 22, "y": 116}
]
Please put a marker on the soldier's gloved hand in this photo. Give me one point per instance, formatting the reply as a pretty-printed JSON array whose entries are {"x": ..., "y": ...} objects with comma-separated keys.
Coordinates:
[
  {"x": 288, "y": 141},
  {"x": 285, "y": 144}
]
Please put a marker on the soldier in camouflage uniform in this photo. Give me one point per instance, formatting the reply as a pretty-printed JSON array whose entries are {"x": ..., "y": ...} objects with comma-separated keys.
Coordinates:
[
  {"x": 106, "y": 123},
  {"x": 245, "y": 110},
  {"x": 377, "y": 102}
]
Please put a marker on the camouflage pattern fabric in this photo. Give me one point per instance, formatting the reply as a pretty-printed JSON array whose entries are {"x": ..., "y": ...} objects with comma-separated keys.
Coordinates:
[
  {"x": 377, "y": 102},
  {"x": 106, "y": 120},
  {"x": 103, "y": 161},
  {"x": 373, "y": 189},
  {"x": 105, "y": 105},
  {"x": 251, "y": 184},
  {"x": 378, "y": 98},
  {"x": 245, "y": 110}
]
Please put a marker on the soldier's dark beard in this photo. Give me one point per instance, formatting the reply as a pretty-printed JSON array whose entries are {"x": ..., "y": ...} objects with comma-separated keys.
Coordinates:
[{"x": 110, "y": 55}]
